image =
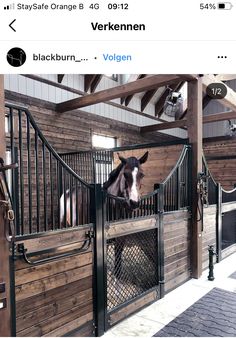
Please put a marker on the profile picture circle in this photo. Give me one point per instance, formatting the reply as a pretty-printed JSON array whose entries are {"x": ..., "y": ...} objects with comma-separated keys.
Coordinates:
[{"x": 16, "y": 57}]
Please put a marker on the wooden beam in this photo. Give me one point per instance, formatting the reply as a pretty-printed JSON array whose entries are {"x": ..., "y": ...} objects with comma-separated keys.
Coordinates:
[
  {"x": 182, "y": 123},
  {"x": 219, "y": 117},
  {"x": 119, "y": 91},
  {"x": 80, "y": 92},
  {"x": 147, "y": 98},
  {"x": 194, "y": 123},
  {"x": 225, "y": 77},
  {"x": 60, "y": 77},
  {"x": 88, "y": 79},
  {"x": 164, "y": 125},
  {"x": 229, "y": 101},
  {"x": 95, "y": 82},
  {"x": 5, "y": 323}
]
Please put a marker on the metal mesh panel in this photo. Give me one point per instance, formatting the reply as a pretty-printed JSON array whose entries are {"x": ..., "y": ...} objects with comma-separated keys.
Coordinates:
[{"x": 131, "y": 267}]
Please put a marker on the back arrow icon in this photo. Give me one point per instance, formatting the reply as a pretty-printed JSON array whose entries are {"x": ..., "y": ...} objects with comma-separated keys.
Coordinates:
[{"x": 10, "y": 25}]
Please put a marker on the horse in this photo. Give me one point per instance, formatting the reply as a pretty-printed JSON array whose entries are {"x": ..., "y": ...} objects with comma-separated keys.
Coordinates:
[{"x": 124, "y": 181}]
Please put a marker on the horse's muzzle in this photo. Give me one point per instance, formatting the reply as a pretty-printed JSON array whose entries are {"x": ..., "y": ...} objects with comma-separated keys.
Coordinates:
[{"x": 134, "y": 204}]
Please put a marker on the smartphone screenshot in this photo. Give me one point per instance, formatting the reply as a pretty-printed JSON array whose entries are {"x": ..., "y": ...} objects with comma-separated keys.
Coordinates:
[{"x": 117, "y": 168}]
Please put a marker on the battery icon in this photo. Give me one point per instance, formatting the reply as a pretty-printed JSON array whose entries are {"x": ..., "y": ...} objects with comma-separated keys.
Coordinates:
[{"x": 225, "y": 5}]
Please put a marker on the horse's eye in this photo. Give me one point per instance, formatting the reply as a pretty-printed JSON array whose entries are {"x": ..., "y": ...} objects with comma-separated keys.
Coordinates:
[{"x": 141, "y": 175}]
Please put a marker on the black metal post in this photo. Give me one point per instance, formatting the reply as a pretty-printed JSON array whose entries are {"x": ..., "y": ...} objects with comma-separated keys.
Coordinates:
[
  {"x": 99, "y": 281},
  {"x": 211, "y": 263},
  {"x": 161, "y": 241},
  {"x": 219, "y": 223}
]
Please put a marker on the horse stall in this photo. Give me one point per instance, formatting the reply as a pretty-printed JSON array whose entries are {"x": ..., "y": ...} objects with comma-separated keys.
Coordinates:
[
  {"x": 147, "y": 252},
  {"x": 84, "y": 270}
]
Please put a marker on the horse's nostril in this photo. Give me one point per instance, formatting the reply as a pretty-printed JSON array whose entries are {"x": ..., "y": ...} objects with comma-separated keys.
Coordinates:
[{"x": 134, "y": 204}]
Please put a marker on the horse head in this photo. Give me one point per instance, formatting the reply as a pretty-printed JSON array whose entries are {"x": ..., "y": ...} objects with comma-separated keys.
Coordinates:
[{"x": 125, "y": 180}]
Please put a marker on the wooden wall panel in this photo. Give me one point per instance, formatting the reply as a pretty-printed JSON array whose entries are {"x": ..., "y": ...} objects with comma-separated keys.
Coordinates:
[
  {"x": 161, "y": 161},
  {"x": 223, "y": 170},
  {"x": 177, "y": 248},
  {"x": 54, "y": 298}
]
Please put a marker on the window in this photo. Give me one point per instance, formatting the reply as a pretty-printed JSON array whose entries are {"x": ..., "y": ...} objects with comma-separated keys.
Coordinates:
[{"x": 106, "y": 142}]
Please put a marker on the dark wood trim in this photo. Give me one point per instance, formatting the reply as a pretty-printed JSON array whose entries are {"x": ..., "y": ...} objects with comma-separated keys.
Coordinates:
[
  {"x": 130, "y": 88},
  {"x": 194, "y": 121},
  {"x": 163, "y": 126},
  {"x": 88, "y": 79},
  {"x": 147, "y": 98},
  {"x": 96, "y": 82},
  {"x": 60, "y": 77},
  {"x": 5, "y": 326},
  {"x": 219, "y": 117}
]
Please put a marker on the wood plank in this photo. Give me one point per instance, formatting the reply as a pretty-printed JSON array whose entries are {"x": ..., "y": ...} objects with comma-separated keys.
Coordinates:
[
  {"x": 118, "y": 229},
  {"x": 119, "y": 91},
  {"x": 175, "y": 216},
  {"x": 48, "y": 297},
  {"x": 32, "y": 273},
  {"x": 134, "y": 306},
  {"x": 56, "y": 238},
  {"x": 74, "y": 324},
  {"x": 229, "y": 101},
  {"x": 60, "y": 305},
  {"x": 36, "y": 287},
  {"x": 57, "y": 321},
  {"x": 169, "y": 286}
]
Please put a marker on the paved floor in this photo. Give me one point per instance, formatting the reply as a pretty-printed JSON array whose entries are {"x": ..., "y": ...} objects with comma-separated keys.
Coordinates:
[{"x": 153, "y": 318}]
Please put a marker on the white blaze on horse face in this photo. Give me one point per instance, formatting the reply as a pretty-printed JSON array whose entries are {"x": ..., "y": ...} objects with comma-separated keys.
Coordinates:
[{"x": 134, "y": 192}]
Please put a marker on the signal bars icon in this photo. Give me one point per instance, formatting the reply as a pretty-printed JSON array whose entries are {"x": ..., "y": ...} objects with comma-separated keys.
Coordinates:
[{"x": 8, "y": 7}]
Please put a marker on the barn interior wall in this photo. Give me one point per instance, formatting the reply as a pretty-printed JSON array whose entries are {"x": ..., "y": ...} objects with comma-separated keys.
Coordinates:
[{"x": 72, "y": 131}]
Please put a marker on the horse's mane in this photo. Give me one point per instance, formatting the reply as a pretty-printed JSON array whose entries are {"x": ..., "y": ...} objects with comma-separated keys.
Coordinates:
[{"x": 112, "y": 176}]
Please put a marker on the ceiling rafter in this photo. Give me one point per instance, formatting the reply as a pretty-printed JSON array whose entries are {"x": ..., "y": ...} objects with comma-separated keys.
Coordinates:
[{"x": 131, "y": 88}]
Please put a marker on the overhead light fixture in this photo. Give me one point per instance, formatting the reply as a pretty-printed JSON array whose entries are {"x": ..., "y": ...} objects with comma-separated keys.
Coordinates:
[{"x": 173, "y": 105}]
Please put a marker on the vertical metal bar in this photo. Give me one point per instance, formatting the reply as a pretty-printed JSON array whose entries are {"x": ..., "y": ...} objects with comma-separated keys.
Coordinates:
[
  {"x": 97, "y": 203},
  {"x": 178, "y": 184},
  {"x": 76, "y": 203},
  {"x": 51, "y": 178},
  {"x": 37, "y": 181},
  {"x": 219, "y": 223},
  {"x": 12, "y": 259},
  {"x": 29, "y": 172},
  {"x": 161, "y": 242},
  {"x": 71, "y": 200},
  {"x": 59, "y": 194},
  {"x": 44, "y": 188},
  {"x": 65, "y": 198},
  {"x": 21, "y": 173},
  {"x": 15, "y": 193}
]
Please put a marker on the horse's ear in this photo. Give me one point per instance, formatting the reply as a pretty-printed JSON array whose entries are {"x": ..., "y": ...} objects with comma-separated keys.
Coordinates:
[
  {"x": 144, "y": 158},
  {"x": 122, "y": 159}
]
